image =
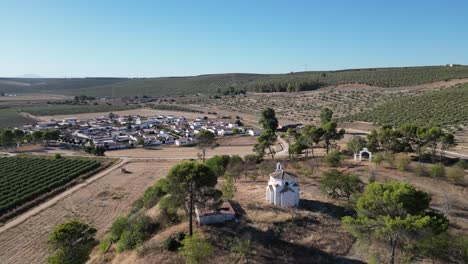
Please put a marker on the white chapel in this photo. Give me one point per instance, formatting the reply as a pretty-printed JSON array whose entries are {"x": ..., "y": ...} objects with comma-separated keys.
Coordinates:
[{"x": 282, "y": 188}]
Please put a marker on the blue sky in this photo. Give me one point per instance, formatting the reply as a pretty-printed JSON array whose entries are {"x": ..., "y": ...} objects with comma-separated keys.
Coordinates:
[{"x": 167, "y": 38}]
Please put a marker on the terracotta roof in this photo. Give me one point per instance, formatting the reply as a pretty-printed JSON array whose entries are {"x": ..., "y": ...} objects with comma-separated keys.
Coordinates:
[{"x": 283, "y": 175}]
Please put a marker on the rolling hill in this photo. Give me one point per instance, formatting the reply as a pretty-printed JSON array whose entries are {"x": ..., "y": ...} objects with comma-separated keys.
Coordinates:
[{"x": 213, "y": 83}]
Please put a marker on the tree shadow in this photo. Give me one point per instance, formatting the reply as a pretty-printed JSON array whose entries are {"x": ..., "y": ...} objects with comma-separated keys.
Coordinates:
[{"x": 330, "y": 209}]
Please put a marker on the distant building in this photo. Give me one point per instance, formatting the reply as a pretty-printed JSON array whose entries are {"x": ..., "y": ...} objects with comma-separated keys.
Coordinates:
[
  {"x": 282, "y": 188},
  {"x": 224, "y": 213}
]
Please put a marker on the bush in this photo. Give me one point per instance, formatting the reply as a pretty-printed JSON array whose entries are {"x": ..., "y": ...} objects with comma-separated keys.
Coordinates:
[
  {"x": 378, "y": 158},
  {"x": 456, "y": 174},
  {"x": 402, "y": 162},
  {"x": 57, "y": 156},
  {"x": 462, "y": 164},
  {"x": 196, "y": 250},
  {"x": 438, "y": 171},
  {"x": 154, "y": 193},
  {"x": 420, "y": 170},
  {"x": 135, "y": 234},
  {"x": 334, "y": 158},
  {"x": 173, "y": 243}
]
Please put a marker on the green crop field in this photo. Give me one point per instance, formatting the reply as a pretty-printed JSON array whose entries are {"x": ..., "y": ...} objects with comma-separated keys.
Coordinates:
[
  {"x": 216, "y": 83},
  {"x": 22, "y": 179},
  {"x": 446, "y": 107}
]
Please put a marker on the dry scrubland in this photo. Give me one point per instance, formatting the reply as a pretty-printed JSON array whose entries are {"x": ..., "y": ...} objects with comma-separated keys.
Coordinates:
[
  {"x": 98, "y": 204},
  {"x": 313, "y": 233},
  {"x": 310, "y": 234},
  {"x": 344, "y": 100}
]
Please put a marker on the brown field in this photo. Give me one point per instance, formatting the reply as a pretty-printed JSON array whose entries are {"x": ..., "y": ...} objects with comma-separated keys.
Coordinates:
[
  {"x": 32, "y": 97},
  {"x": 98, "y": 204},
  {"x": 142, "y": 112},
  {"x": 177, "y": 153}
]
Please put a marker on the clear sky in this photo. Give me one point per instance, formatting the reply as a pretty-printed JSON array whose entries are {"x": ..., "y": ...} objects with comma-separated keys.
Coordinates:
[{"x": 164, "y": 38}]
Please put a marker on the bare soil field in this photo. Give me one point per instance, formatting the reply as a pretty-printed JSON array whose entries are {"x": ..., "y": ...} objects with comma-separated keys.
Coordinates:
[
  {"x": 32, "y": 97},
  {"x": 177, "y": 153},
  {"x": 98, "y": 204},
  {"x": 142, "y": 112}
]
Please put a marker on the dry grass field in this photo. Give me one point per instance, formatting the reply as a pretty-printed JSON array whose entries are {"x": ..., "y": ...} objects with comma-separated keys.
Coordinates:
[{"x": 98, "y": 204}]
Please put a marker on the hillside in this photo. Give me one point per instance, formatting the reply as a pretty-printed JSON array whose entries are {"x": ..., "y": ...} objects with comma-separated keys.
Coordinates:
[
  {"x": 435, "y": 108},
  {"x": 214, "y": 83}
]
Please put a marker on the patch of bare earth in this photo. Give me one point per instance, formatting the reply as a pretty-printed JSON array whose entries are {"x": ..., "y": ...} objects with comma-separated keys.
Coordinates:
[{"x": 97, "y": 204}]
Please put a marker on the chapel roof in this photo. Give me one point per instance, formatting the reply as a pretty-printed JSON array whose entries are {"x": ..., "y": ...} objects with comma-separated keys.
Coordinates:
[{"x": 283, "y": 175}]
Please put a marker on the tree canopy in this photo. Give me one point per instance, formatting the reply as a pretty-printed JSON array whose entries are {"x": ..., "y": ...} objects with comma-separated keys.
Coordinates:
[
  {"x": 394, "y": 212},
  {"x": 268, "y": 119},
  {"x": 189, "y": 184}
]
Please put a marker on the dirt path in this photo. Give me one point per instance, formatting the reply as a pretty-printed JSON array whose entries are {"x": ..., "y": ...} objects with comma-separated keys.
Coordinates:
[{"x": 106, "y": 196}]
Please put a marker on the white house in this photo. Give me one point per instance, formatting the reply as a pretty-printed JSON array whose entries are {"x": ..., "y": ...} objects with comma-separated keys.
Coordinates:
[
  {"x": 282, "y": 188},
  {"x": 253, "y": 133}
]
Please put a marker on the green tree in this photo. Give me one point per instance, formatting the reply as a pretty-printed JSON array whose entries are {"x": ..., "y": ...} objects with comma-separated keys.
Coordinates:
[
  {"x": 447, "y": 141},
  {"x": 340, "y": 185},
  {"x": 403, "y": 161},
  {"x": 7, "y": 137},
  {"x": 229, "y": 187},
  {"x": 196, "y": 250},
  {"x": 312, "y": 135},
  {"x": 394, "y": 212},
  {"x": 37, "y": 135},
  {"x": 326, "y": 115},
  {"x": 414, "y": 136},
  {"x": 266, "y": 140},
  {"x": 373, "y": 141},
  {"x": 432, "y": 137},
  {"x": 71, "y": 242},
  {"x": 190, "y": 184},
  {"x": 356, "y": 144},
  {"x": 330, "y": 133},
  {"x": 218, "y": 164},
  {"x": 334, "y": 158},
  {"x": 206, "y": 139},
  {"x": 268, "y": 119}
]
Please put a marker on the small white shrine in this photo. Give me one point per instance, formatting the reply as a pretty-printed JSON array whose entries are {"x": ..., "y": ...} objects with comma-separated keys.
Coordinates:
[
  {"x": 364, "y": 150},
  {"x": 282, "y": 188}
]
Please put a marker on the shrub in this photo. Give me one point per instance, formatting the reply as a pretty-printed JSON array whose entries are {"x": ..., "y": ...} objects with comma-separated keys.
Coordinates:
[
  {"x": 154, "y": 193},
  {"x": 438, "y": 171},
  {"x": 378, "y": 158},
  {"x": 173, "y": 243},
  {"x": 420, "y": 170},
  {"x": 196, "y": 249},
  {"x": 57, "y": 156},
  {"x": 462, "y": 164},
  {"x": 456, "y": 174},
  {"x": 402, "y": 162},
  {"x": 334, "y": 158}
]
